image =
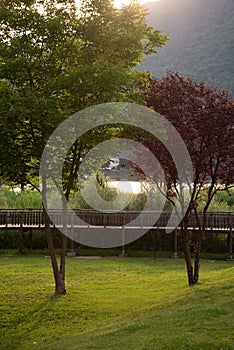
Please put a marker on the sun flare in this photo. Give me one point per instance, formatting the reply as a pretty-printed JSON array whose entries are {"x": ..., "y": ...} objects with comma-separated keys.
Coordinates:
[{"x": 119, "y": 3}]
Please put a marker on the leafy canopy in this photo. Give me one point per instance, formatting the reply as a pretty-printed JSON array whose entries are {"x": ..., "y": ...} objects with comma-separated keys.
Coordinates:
[{"x": 55, "y": 60}]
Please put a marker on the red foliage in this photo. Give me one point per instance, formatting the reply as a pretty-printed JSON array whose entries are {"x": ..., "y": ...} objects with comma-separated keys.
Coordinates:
[{"x": 204, "y": 117}]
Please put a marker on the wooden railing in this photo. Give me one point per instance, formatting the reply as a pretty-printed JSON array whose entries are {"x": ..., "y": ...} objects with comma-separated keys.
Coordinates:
[{"x": 33, "y": 218}]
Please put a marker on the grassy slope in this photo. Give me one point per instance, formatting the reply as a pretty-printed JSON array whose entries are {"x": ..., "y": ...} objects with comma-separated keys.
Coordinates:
[{"x": 117, "y": 304}]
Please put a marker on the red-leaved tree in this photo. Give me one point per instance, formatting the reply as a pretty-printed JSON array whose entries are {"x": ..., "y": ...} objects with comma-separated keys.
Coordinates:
[{"x": 204, "y": 117}]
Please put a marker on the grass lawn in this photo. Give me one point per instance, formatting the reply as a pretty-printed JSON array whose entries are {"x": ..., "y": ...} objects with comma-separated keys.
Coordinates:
[{"x": 116, "y": 304}]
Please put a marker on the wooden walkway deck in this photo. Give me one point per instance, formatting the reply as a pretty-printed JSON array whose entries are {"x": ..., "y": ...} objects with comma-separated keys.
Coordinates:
[{"x": 33, "y": 218}]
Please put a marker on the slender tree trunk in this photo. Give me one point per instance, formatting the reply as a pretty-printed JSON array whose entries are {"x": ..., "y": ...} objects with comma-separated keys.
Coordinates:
[
  {"x": 58, "y": 278},
  {"x": 186, "y": 241},
  {"x": 59, "y": 273},
  {"x": 197, "y": 256},
  {"x": 202, "y": 227},
  {"x": 187, "y": 255},
  {"x": 63, "y": 257},
  {"x": 198, "y": 245}
]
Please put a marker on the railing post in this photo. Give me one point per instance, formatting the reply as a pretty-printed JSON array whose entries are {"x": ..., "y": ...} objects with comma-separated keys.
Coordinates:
[
  {"x": 123, "y": 254},
  {"x": 175, "y": 255},
  {"x": 21, "y": 239},
  {"x": 155, "y": 231},
  {"x": 229, "y": 243},
  {"x": 72, "y": 253}
]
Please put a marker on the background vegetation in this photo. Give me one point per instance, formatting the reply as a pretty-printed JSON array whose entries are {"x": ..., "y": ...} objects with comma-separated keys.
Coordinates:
[
  {"x": 201, "y": 40},
  {"x": 223, "y": 201}
]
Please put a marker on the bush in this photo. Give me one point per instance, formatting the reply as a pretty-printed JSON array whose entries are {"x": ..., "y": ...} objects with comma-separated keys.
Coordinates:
[{"x": 31, "y": 239}]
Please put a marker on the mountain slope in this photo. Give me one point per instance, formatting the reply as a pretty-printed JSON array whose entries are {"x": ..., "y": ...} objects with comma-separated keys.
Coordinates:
[{"x": 201, "y": 40}]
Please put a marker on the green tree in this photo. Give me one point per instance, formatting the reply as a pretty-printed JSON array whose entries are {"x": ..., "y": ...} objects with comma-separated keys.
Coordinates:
[{"x": 55, "y": 60}]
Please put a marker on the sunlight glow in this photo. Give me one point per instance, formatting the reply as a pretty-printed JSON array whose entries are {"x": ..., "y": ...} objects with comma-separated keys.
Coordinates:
[
  {"x": 119, "y": 3},
  {"x": 134, "y": 187}
]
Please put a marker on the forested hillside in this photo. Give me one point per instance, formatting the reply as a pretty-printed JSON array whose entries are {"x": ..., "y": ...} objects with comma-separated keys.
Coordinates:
[{"x": 201, "y": 40}]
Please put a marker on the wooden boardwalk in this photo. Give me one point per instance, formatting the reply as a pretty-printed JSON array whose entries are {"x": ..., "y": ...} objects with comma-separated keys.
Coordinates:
[{"x": 33, "y": 219}]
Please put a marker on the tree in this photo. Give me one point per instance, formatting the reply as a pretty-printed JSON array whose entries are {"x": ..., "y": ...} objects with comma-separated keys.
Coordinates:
[
  {"x": 54, "y": 61},
  {"x": 204, "y": 117}
]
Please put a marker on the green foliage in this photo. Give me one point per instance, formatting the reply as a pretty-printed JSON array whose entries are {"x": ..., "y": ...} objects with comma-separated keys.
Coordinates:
[
  {"x": 116, "y": 304},
  {"x": 222, "y": 202},
  {"x": 19, "y": 200},
  {"x": 58, "y": 61},
  {"x": 226, "y": 197}
]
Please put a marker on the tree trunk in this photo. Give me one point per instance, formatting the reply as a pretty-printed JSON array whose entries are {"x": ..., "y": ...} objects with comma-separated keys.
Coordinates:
[
  {"x": 186, "y": 248},
  {"x": 58, "y": 278},
  {"x": 202, "y": 227},
  {"x": 63, "y": 257},
  {"x": 197, "y": 256}
]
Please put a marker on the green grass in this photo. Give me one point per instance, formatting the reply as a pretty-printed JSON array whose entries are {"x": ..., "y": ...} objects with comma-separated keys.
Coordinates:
[
  {"x": 116, "y": 304},
  {"x": 113, "y": 252}
]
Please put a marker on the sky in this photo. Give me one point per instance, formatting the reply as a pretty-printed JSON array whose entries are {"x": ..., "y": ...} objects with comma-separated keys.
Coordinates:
[{"x": 119, "y": 3}]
